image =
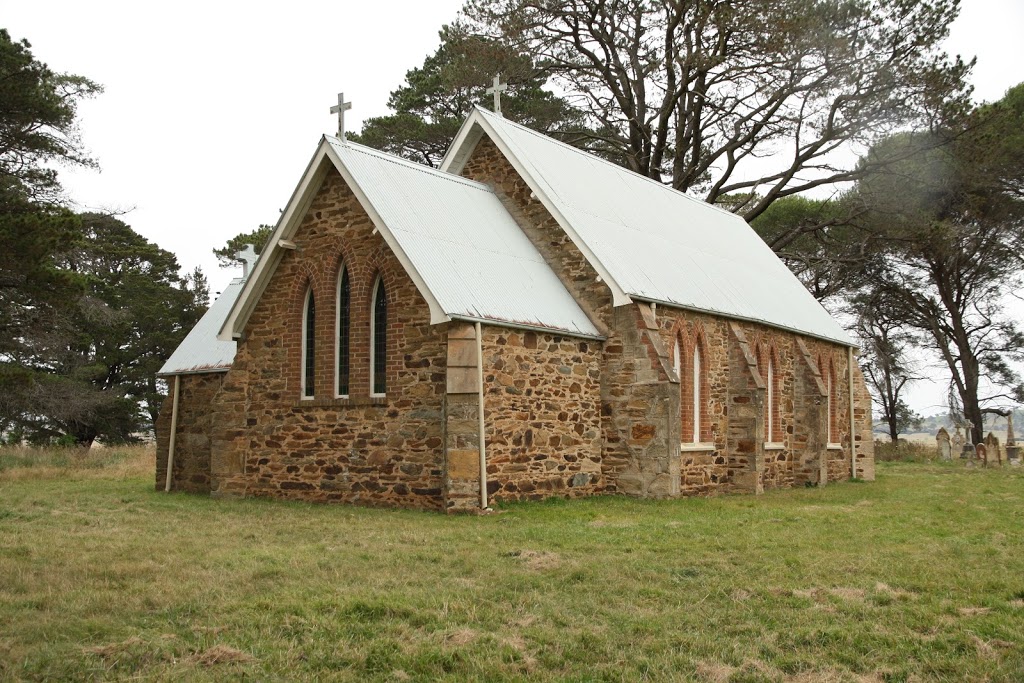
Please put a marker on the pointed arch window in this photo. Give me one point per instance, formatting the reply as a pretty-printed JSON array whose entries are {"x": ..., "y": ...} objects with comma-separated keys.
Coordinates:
[
  {"x": 772, "y": 422},
  {"x": 309, "y": 346},
  {"x": 696, "y": 393},
  {"x": 832, "y": 404},
  {"x": 342, "y": 334},
  {"x": 688, "y": 362},
  {"x": 379, "y": 340}
]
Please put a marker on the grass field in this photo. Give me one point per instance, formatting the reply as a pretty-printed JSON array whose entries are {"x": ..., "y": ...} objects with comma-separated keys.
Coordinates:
[{"x": 916, "y": 577}]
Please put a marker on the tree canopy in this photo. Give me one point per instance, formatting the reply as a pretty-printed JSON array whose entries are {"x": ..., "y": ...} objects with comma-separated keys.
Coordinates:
[
  {"x": 89, "y": 309},
  {"x": 226, "y": 255},
  {"x": 437, "y": 96},
  {"x": 751, "y": 97},
  {"x": 953, "y": 216},
  {"x": 94, "y": 375},
  {"x": 38, "y": 110}
]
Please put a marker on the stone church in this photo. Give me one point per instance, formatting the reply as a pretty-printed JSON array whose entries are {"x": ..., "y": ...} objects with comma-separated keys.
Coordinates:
[{"x": 527, "y": 321}]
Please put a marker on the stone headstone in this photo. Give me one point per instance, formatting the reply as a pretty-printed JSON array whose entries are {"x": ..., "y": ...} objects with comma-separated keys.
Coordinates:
[
  {"x": 981, "y": 453},
  {"x": 942, "y": 442},
  {"x": 957, "y": 444},
  {"x": 995, "y": 453}
]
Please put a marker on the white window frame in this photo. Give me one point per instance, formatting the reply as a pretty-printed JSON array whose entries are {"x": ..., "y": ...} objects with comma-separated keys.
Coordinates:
[
  {"x": 830, "y": 443},
  {"x": 696, "y": 393},
  {"x": 305, "y": 341},
  {"x": 373, "y": 339},
  {"x": 337, "y": 334},
  {"x": 770, "y": 445}
]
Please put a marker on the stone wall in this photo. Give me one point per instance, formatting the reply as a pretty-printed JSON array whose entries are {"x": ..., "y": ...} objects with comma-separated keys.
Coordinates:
[
  {"x": 736, "y": 459},
  {"x": 362, "y": 449},
  {"x": 542, "y": 411},
  {"x": 196, "y": 397},
  {"x": 542, "y": 414},
  {"x": 642, "y": 406}
]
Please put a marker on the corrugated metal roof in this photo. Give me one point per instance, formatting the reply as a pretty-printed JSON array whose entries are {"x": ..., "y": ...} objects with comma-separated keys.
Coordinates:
[
  {"x": 469, "y": 252},
  {"x": 201, "y": 351},
  {"x": 662, "y": 245}
]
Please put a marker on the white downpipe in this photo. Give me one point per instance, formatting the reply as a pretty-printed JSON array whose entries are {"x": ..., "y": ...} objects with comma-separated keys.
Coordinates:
[
  {"x": 853, "y": 421},
  {"x": 480, "y": 415},
  {"x": 174, "y": 432}
]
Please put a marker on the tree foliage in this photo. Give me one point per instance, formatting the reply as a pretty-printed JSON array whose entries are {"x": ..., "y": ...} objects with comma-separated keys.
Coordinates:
[
  {"x": 437, "y": 96},
  {"x": 822, "y": 242},
  {"x": 37, "y": 120},
  {"x": 94, "y": 374},
  {"x": 955, "y": 219},
  {"x": 885, "y": 348},
  {"x": 727, "y": 97},
  {"x": 226, "y": 255},
  {"x": 89, "y": 310}
]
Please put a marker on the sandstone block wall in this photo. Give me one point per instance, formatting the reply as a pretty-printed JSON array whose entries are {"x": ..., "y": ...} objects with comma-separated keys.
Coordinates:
[
  {"x": 196, "y": 398},
  {"x": 362, "y": 449},
  {"x": 542, "y": 411},
  {"x": 642, "y": 405}
]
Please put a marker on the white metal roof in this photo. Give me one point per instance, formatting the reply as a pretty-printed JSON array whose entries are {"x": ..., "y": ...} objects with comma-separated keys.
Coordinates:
[
  {"x": 462, "y": 249},
  {"x": 653, "y": 242},
  {"x": 201, "y": 351},
  {"x": 468, "y": 250}
]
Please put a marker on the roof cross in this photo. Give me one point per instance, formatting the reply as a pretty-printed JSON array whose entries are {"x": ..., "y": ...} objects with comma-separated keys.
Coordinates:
[
  {"x": 496, "y": 90},
  {"x": 248, "y": 257},
  {"x": 340, "y": 110}
]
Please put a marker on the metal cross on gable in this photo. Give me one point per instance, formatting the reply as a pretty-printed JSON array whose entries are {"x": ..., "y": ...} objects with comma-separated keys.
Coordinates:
[
  {"x": 340, "y": 110},
  {"x": 496, "y": 90}
]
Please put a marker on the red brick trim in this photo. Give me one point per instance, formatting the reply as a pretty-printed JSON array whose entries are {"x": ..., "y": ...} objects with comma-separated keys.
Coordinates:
[{"x": 773, "y": 431}]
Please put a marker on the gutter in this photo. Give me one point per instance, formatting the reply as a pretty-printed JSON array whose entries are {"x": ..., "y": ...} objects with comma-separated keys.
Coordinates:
[
  {"x": 528, "y": 327},
  {"x": 174, "y": 432},
  {"x": 480, "y": 415},
  {"x": 732, "y": 316},
  {"x": 853, "y": 422}
]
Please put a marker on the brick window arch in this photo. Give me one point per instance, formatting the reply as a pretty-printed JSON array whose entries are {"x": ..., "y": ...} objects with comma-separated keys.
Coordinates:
[
  {"x": 690, "y": 365},
  {"x": 829, "y": 375},
  {"x": 308, "y": 367},
  {"x": 342, "y": 332},
  {"x": 378, "y": 339},
  {"x": 697, "y": 392}
]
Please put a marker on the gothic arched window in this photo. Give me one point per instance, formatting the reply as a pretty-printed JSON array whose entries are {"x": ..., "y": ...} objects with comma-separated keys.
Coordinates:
[
  {"x": 379, "y": 340},
  {"x": 342, "y": 336},
  {"x": 309, "y": 346}
]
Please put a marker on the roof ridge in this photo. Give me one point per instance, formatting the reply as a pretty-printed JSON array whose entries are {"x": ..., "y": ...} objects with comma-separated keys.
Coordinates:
[
  {"x": 492, "y": 115},
  {"x": 391, "y": 158}
]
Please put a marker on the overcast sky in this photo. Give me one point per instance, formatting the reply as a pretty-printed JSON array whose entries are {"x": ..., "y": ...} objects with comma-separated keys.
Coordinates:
[{"x": 212, "y": 110}]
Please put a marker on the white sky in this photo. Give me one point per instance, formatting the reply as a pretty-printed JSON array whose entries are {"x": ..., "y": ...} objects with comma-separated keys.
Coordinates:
[{"x": 212, "y": 110}]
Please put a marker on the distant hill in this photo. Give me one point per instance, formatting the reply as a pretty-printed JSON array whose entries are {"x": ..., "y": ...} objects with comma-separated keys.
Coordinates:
[{"x": 931, "y": 425}]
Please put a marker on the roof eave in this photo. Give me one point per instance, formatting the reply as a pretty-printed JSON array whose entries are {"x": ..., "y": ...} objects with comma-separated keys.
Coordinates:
[{"x": 729, "y": 316}]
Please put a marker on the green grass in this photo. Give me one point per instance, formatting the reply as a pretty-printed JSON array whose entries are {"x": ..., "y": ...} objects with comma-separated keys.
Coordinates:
[{"x": 916, "y": 577}]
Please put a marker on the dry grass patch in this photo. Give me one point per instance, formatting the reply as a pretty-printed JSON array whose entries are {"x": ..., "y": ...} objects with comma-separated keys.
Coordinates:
[
  {"x": 222, "y": 654},
  {"x": 973, "y": 611},
  {"x": 538, "y": 560}
]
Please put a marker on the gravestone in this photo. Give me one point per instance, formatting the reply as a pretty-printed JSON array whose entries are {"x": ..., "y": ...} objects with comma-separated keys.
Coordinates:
[
  {"x": 957, "y": 444},
  {"x": 942, "y": 442},
  {"x": 969, "y": 451},
  {"x": 981, "y": 453},
  {"x": 1012, "y": 452},
  {"x": 995, "y": 453}
]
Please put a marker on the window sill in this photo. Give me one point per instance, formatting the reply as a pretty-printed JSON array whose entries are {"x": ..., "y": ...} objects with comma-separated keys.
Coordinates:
[
  {"x": 774, "y": 446},
  {"x": 689, "y": 447},
  {"x": 834, "y": 447},
  {"x": 341, "y": 402}
]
